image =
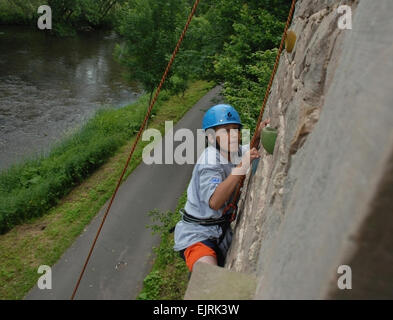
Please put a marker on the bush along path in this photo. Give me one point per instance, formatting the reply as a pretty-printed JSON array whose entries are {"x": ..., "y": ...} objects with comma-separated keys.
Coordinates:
[
  {"x": 168, "y": 278},
  {"x": 56, "y": 219}
]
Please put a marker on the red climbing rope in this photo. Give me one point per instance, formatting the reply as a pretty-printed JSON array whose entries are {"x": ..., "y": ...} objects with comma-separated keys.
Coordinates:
[
  {"x": 137, "y": 139},
  {"x": 233, "y": 204}
]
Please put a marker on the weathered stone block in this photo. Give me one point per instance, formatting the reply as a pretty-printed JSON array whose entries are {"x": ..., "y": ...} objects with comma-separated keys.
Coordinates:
[{"x": 210, "y": 282}]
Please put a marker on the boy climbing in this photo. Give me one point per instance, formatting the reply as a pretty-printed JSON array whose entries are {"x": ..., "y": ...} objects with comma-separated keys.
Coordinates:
[{"x": 204, "y": 233}]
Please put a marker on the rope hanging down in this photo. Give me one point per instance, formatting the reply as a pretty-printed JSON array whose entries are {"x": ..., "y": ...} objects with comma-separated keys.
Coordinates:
[
  {"x": 233, "y": 205},
  {"x": 137, "y": 139}
]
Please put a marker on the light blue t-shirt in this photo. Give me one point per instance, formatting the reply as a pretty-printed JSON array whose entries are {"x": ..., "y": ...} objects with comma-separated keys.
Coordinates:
[{"x": 210, "y": 170}]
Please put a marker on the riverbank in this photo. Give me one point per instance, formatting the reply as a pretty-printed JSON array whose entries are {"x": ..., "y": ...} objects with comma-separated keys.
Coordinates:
[
  {"x": 50, "y": 86},
  {"x": 44, "y": 239},
  {"x": 30, "y": 188}
]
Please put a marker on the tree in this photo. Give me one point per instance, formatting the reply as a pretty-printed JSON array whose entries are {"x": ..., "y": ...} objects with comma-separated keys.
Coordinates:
[
  {"x": 244, "y": 86},
  {"x": 225, "y": 40},
  {"x": 73, "y": 15},
  {"x": 19, "y": 11},
  {"x": 150, "y": 30},
  {"x": 225, "y": 18},
  {"x": 246, "y": 62}
]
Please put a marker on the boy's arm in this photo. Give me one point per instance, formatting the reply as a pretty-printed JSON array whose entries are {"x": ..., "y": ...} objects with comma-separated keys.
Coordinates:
[{"x": 224, "y": 190}]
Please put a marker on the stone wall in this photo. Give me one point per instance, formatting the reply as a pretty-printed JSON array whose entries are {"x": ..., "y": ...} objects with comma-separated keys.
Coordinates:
[{"x": 324, "y": 197}]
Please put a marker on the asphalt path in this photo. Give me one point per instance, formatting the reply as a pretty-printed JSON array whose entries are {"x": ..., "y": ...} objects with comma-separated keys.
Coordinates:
[{"x": 123, "y": 253}]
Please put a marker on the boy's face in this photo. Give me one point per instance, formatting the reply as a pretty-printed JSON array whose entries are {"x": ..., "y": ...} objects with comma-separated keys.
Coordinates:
[{"x": 228, "y": 137}]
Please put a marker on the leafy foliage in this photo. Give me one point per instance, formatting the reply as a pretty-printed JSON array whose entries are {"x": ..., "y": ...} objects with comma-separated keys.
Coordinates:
[
  {"x": 247, "y": 61},
  {"x": 232, "y": 30},
  {"x": 68, "y": 16},
  {"x": 248, "y": 55},
  {"x": 18, "y": 11},
  {"x": 150, "y": 30},
  {"x": 245, "y": 85},
  {"x": 169, "y": 276}
]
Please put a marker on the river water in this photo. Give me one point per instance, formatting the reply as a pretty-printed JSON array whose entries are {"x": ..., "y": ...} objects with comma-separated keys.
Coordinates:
[{"x": 50, "y": 86}]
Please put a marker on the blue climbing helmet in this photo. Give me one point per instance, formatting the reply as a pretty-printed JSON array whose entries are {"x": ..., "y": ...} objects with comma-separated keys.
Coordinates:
[{"x": 220, "y": 114}]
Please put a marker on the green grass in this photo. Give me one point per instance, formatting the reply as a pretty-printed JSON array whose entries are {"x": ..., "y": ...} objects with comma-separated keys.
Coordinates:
[
  {"x": 42, "y": 239},
  {"x": 169, "y": 275},
  {"x": 31, "y": 188}
]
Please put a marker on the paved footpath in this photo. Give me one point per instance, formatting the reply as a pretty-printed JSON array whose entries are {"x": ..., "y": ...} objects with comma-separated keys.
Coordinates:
[{"x": 123, "y": 253}]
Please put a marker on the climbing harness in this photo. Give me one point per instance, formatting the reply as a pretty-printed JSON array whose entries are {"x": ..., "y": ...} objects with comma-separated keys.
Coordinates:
[
  {"x": 203, "y": 222},
  {"x": 224, "y": 219},
  {"x": 231, "y": 208},
  {"x": 221, "y": 244}
]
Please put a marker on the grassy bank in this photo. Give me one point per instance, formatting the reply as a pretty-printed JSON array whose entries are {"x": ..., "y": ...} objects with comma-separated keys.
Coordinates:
[
  {"x": 30, "y": 189},
  {"x": 169, "y": 275},
  {"x": 44, "y": 237}
]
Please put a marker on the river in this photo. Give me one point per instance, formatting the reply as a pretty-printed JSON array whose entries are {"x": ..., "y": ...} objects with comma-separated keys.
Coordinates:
[{"x": 50, "y": 86}]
